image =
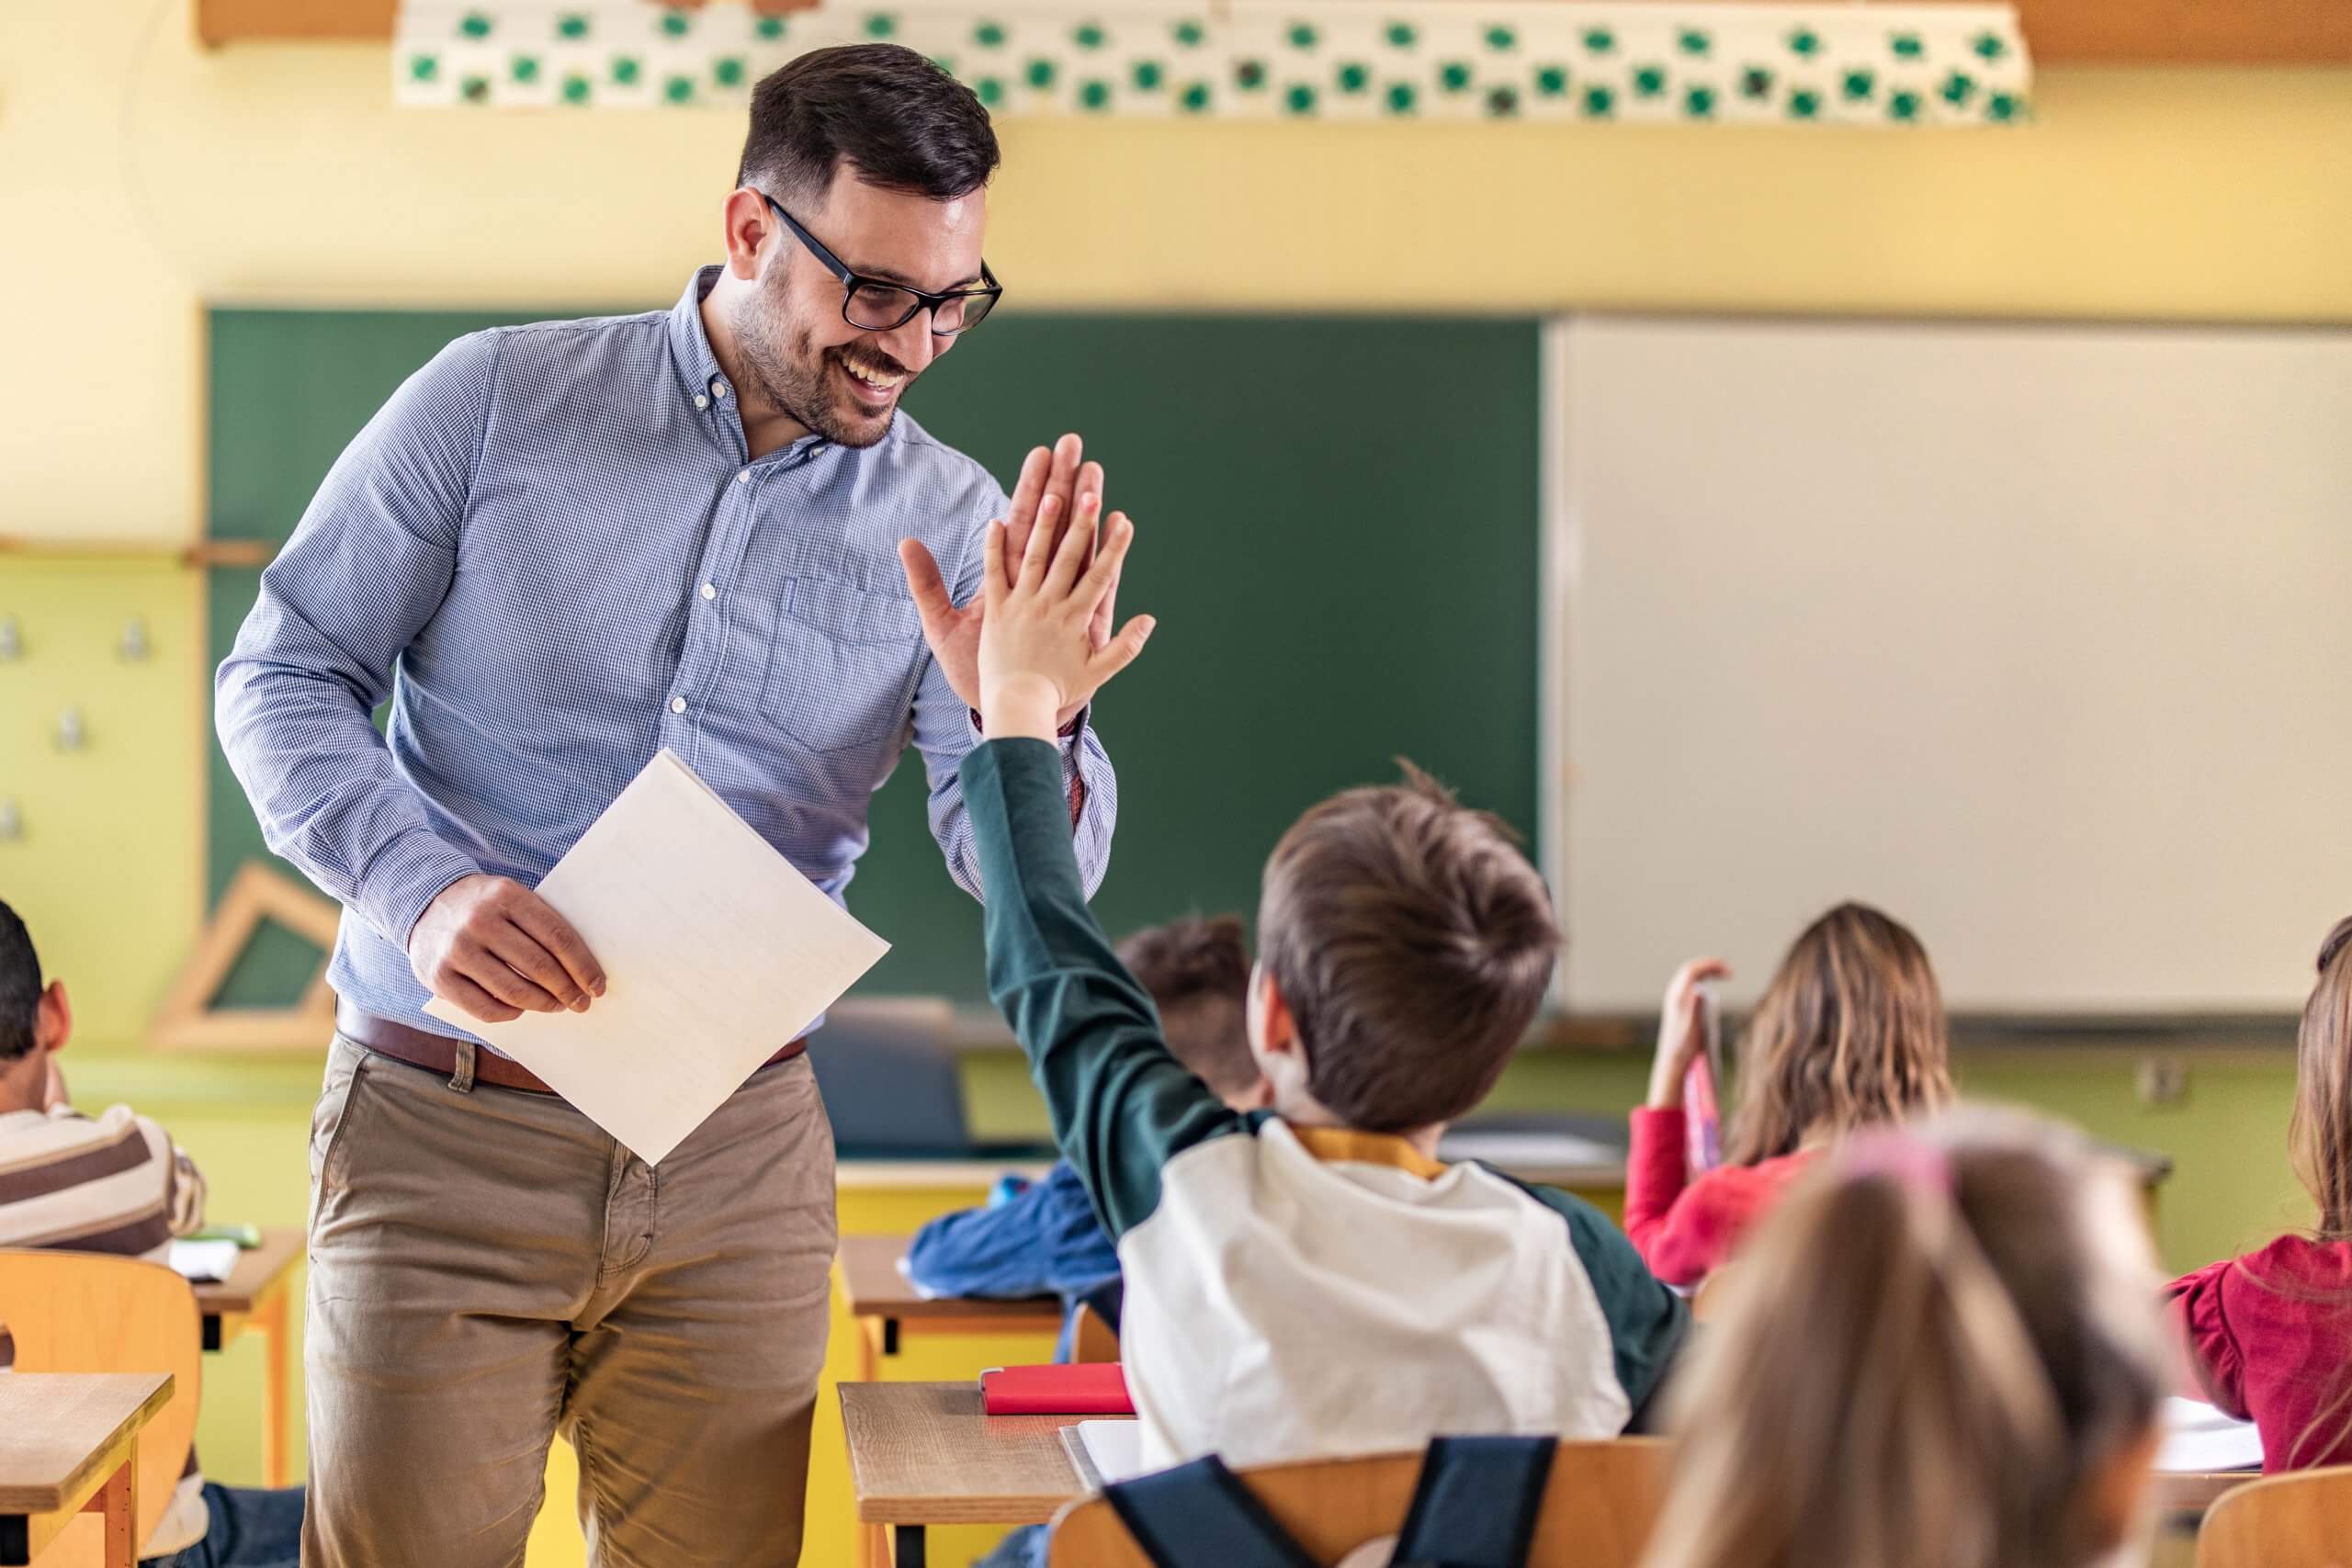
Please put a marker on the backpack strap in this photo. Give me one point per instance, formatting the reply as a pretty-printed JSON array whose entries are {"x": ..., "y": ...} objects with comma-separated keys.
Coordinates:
[
  {"x": 1475, "y": 1503},
  {"x": 1201, "y": 1516}
]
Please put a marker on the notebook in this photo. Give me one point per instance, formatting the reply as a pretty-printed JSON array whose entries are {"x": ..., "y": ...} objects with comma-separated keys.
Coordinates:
[
  {"x": 204, "y": 1262},
  {"x": 2199, "y": 1438},
  {"x": 1088, "y": 1388}
]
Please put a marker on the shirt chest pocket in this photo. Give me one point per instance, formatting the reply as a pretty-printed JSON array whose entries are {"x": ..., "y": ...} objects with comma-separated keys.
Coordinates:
[{"x": 843, "y": 665}]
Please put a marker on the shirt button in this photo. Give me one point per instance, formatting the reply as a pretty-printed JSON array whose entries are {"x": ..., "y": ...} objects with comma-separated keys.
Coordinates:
[
  {"x": 701, "y": 402},
  {"x": 709, "y": 592},
  {"x": 743, "y": 477},
  {"x": 718, "y": 389},
  {"x": 677, "y": 705}
]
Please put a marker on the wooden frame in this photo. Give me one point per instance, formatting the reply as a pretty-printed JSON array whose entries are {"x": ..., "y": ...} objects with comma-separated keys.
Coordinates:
[
  {"x": 189, "y": 1021},
  {"x": 2059, "y": 32},
  {"x": 201, "y": 554}
]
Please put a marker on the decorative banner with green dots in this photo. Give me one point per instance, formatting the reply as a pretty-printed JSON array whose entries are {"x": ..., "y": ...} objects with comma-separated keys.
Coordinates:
[{"x": 1642, "y": 61}]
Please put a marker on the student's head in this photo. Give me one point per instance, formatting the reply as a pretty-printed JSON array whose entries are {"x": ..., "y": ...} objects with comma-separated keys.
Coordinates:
[
  {"x": 1850, "y": 1031},
  {"x": 1404, "y": 945},
  {"x": 1944, "y": 1351},
  {"x": 884, "y": 159},
  {"x": 34, "y": 1018},
  {"x": 1198, "y": 973},
  {"x": 2319, "y": 1133}
]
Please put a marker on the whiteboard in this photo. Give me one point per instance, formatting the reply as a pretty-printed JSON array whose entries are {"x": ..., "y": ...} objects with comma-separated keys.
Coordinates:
[{"x": 2040, "y": 636}]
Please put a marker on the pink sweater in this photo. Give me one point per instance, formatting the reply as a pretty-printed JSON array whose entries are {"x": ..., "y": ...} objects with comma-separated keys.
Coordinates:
[
  {"x": 1685, "y": 1228},
  {"x": 2271, "y": 1336}
]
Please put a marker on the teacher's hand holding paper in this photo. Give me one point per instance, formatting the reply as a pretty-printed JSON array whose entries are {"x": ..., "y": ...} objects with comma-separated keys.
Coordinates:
[
  {"x": 1038, "y": 658},
  {"x": 498, "y": 950}
]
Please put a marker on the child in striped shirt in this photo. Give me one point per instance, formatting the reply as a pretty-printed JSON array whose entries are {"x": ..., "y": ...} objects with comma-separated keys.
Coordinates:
[{"x": 112, "y": 1183}]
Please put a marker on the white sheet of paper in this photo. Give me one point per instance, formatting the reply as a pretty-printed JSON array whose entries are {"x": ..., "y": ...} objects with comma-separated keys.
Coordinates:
[
  {"x": 2199, "y": 1438},
  {"x": 716, "y": 950},
  {"x": 204, "y": 1262},
  {"x": 1115, "y": 1447}
]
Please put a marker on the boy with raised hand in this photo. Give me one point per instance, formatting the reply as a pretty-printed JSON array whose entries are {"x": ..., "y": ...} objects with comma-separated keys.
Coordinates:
[{"x": 1308, "y": 1280}]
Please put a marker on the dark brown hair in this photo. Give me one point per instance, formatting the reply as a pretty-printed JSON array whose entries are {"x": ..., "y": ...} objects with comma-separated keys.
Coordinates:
[
  {"x": 1850, "y": 1031},
  {"x": 1198, "y": 973},
  {"x": 899, "y": 120},
  {"x": 20, "y": 986},
  {"x": 1412, "y": 943},
  {"x": 1929, "y": 1354}
]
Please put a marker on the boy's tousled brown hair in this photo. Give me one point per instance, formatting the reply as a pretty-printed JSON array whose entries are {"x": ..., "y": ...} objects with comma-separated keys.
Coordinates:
[
  {"x": 1850, "y": 1032},
  {"x": 1412, "y": 943},
  {"x": 1198, "y": 973}
]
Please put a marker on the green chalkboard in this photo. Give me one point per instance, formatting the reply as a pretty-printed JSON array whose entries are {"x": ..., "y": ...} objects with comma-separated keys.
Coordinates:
[{"x": 1338, "y": 527}]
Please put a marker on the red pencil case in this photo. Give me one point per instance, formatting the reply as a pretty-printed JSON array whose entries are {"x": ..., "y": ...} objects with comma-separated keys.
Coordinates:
[{"x": 1088, "y": 1388}]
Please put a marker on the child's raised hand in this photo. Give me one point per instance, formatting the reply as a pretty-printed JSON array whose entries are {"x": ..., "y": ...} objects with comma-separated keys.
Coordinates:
[
  {"x": 1681, "y": 1030},
  {"x": 1037, "y": 656}
]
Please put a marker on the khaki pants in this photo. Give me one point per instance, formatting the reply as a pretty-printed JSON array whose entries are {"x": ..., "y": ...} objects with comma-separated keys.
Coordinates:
[{"x": 488, "y": 1268}]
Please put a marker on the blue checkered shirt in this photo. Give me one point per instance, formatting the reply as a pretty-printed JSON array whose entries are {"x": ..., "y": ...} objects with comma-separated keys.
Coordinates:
[{"x": 553, "y": 551}]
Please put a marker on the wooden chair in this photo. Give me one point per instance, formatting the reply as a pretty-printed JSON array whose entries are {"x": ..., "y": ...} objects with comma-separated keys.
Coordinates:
[
  {"x": 2299, "y": 1520},
  {"x": 1091, "y": 1338},
  {"x": 1598, "y": 1507},
  {"x": 81, "y": 1312}
]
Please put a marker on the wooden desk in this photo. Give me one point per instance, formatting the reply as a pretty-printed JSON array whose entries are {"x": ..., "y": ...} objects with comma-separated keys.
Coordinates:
[
  {"x": 255, "y": 1295},
  {"x": 920, "y": 1175},
  {"x": 2184, "y": 1496},
  {"x": 923, "y": 1453},
  {"x": 68, "y": 1445},
  {"x": 883, "y": 1306}
]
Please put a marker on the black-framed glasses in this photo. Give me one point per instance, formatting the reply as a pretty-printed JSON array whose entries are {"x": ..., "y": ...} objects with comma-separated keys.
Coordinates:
[{"x": 874, "y": 305}]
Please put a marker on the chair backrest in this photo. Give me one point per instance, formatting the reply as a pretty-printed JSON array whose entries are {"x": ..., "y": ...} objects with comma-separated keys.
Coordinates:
[
  {"x": 84, "y": 1311},
  {"x": 1092, "y": 1340},
  {"x": 2299, "y": 1520},
  {"x": 1598, "y": 1507}
]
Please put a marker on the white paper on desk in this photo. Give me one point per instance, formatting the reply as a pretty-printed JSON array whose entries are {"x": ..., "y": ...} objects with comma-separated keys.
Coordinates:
[
  {"x": 2199, "y": 1438},
  {"x": 716, "y": 953},
  {"x": 204, "y": 1262},
  {"x": 1116, "y": 1448}
]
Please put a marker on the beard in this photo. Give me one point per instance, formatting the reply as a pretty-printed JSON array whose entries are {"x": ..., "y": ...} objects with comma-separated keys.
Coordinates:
[{"x": 792, "y": 374}]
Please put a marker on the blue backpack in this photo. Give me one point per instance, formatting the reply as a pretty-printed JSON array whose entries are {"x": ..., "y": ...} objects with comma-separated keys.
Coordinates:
[{"x": 1474, "y": 1506}]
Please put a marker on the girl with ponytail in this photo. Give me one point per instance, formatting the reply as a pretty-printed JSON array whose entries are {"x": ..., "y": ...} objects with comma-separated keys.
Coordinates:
[
  {"x": 1943, "y": 1351},
  {"x": 2270, "y": 1333}
]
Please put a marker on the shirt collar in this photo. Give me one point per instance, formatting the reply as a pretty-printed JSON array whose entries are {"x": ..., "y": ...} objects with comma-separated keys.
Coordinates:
[
  {"x": 689, "y": 344},
  {"x": 1350, "y": 1146}
]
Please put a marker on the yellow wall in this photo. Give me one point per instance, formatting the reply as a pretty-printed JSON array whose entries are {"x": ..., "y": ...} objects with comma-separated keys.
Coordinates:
[{"x": 140, "y": 177}]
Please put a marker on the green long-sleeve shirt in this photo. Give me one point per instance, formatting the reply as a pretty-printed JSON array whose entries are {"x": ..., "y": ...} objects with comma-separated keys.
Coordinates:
[{"x": 1292, "y": 1291}]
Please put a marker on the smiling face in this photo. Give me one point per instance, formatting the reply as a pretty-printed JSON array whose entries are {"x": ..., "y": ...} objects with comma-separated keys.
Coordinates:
[{"x": 801, "y": 355}]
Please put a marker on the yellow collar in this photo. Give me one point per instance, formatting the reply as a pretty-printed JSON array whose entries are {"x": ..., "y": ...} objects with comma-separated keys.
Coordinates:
[{"x": 1353, "y": 1147}]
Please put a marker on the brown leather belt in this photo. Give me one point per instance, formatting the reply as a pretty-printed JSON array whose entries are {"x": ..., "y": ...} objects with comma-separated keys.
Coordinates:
[{"x": 439, "y": 1053}]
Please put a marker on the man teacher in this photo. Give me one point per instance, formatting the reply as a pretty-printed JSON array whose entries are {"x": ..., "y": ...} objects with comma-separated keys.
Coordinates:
[{"x": 558, "y": 549}]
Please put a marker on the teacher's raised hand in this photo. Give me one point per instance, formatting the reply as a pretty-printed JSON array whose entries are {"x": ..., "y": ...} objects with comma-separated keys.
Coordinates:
[{"x": 1055, "y": 486}]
